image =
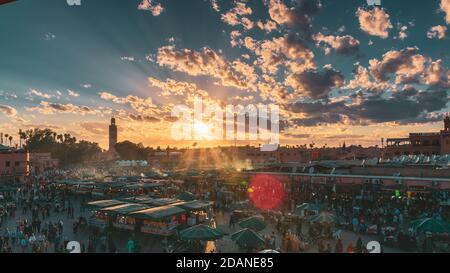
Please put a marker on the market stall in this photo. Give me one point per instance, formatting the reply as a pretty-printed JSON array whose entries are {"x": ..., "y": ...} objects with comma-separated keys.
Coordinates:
[
  {"x": 99, "y": 218},
  {"x": 120, "y": 215},
  {"x": 162, "y": 221},
  {"x": 197, "y": 211}
]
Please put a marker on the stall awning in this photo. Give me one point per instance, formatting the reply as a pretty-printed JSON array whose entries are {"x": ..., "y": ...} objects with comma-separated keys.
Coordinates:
[
  {"x": 125, "y": 208},
  {"x": 158, "y": 213},
  {"x": 194, "y": 205},
  {"x": 105, "y": 203},
  {"x": 161, "y": 202}
]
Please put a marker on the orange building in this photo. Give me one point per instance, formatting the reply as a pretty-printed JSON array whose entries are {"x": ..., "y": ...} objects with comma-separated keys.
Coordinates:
[{"x": 14, "y": 164}]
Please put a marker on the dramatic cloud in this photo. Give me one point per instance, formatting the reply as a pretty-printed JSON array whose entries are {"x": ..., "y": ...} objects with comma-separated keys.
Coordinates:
[
  {"x": 205, "y": 63},
  {"x": 437, "y": 32},
  {"x": 143, "y": 118},
  {"x": 398, "y": 68},
  {"x": 364, "y": 80},
  {"x": 279, "y": 12},
  {"x": 140, "y": 105},
  {"x": 172, "y": 87},
  {"x": 406, "y": 64},
  {"x": 375, "y": 22},
  {"x": 8, "y": 110},
  {"x": 40, "y": 94},
  {"x": 299, "y": 16},
  {"x": 155, "y": 8},
  {"x": 445, "y": 6},
  {"x": 436, "y": 75},
  {"x": 237, "y": 16},
  {"x": 346, "y": 45},
  {"x": 410, "y": 107},
  {"x": 48, "y": 108},
  {"x": 316, "y": 84},
  {"x": 288, "y": 52},
  {"x": 268, "y": 27}
]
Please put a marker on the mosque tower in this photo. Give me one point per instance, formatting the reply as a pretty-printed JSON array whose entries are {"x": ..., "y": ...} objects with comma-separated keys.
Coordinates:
[{"x": 112, "y": 134}]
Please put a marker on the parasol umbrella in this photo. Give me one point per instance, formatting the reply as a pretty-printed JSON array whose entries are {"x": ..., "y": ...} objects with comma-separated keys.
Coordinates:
[
  {"x": 200, "y": 233},
  {"x": 186, "y": 196},
  {"x": 269, "y": 251},
  {"x": 255, "y": 223},
  {"x": 322, "y": 218},
  {"x": 247, "y": 238},
  {"x": 433, "y": 225}
]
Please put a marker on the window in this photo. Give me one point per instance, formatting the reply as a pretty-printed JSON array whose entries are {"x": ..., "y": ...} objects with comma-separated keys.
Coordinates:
[
  {"x": 7, "y": 164},
  {"x": 17, "y": 163}
]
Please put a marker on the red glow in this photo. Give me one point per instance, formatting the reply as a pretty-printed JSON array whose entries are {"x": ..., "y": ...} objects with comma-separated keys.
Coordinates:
[{"x": 266, "y": 192}]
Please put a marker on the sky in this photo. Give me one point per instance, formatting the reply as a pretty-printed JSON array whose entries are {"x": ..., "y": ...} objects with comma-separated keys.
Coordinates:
[{"x": 340, "y": 71}]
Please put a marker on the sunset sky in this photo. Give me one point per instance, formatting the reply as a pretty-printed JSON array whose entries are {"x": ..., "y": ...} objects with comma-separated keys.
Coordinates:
[{"x": 338, "y": 70}]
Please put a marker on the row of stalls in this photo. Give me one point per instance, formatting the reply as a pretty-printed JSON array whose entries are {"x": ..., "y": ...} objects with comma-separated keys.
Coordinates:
[
  {"x": 102, "y": 190},
  {"x": 148, "y": 215}
]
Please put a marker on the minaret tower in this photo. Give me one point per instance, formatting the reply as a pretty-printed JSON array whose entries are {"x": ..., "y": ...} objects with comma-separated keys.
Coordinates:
[{"x": 112, "y": 134}]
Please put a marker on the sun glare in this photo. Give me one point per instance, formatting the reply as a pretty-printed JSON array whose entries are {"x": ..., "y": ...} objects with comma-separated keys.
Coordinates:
[{"x": 202, "y": 130}]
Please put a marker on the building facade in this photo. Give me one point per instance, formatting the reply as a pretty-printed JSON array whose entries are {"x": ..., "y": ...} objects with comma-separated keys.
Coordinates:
[
  {"x": 420, "y": 143},
  {"x": 14, "y": 165},
  {"x": 40, "y": 162}
]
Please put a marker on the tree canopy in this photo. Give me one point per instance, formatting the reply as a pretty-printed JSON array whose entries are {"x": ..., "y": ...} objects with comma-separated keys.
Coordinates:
[
  {"x": 63, "y": 147},
  {"x": 128, "y": 150}
]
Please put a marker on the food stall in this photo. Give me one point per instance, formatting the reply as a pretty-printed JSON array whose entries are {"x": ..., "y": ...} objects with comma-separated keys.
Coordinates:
[
  {"x": 140, "y": 199},
  {"x": 120, "y": 215},
  {"x": 141, "y": 188},
  {"x": 98, "y": 218},
  {"x": 162, "y": 221},
  {"x": 197, "y": 211},
  {"x": 160, "y": 202}
]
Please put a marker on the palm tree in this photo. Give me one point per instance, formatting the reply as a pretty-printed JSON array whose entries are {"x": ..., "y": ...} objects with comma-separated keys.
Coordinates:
[{"x": 10, "y": 141}]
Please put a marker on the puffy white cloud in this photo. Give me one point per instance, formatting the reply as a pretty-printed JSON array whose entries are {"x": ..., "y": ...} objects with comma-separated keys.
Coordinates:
[
  {"x": 237, "y": 15},
  {"x": 172, "y": 87},
  {"x": 437, "y": 32},
  {"x": 375, "y": 22},
  {"x": 141, "y": 105},
  {"x": 73, "y": 93},
  {"x": 346, "y": 45},
  {"x": 284, "y": 51},
  {"x": 48, "y": 108},
  {"x": 205, "y": 62},
  {"x": 155, "y": 8},
  {"x": 445, "y": 6},
  {"x": 279, "y": 12},
  {"x": 40, "y": 94},
  {"x": 406, "y": 64},
  {"x": 8, "y": 110},
  {"x": 268, "y": 27}
]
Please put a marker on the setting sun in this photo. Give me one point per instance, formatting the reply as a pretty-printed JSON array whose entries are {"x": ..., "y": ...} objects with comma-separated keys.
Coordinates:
[{"x": 202, "y": 130}]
